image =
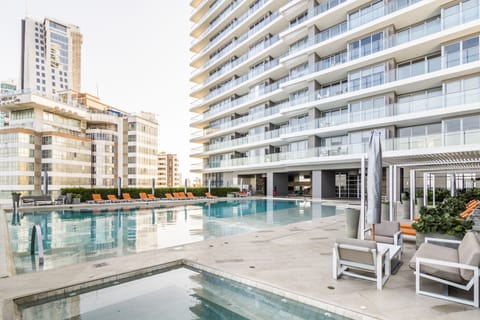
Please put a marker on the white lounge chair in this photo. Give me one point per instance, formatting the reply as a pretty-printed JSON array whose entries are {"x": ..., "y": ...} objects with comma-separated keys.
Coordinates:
[
  {"x": 351, "y": 255},
  {"x": 456, "y": 267}
]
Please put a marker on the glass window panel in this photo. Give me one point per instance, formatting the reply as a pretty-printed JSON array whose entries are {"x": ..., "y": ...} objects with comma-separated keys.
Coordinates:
[
  {"x": 470, "y": 50},
  {"x": 434, "y": 63},
  {"x": 451, "y": 16},
  {"x": 377, "y": 43},
  {"x": 404, "y": 132},
  {"x": 418, "y": 131},
  {"x": 435, "y": 128},
  {"x": 452, "y": 53},
  {"x": 470, "y": 10},
  {"x": 452, "y": 125},
  {"x": 366, "y": 46},
  {"x": 471, "y": 123},
  {"x": 418, "y": 67}
]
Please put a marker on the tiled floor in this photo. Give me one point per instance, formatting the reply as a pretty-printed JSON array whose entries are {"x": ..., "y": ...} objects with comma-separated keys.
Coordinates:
[{"x": 295, "y": 258}]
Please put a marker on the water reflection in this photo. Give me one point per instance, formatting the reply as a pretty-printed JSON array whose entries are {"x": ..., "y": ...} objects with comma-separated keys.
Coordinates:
[{"x": 72, "y": 236}]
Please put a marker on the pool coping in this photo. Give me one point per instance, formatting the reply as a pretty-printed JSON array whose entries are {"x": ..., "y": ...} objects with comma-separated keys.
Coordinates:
[{"x": 109, "y": 281}]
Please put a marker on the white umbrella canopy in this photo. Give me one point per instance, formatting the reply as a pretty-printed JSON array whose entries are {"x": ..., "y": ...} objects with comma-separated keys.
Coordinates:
[
  {"x": 374, "y": 180},
  {"x": 153, "y": 186}
]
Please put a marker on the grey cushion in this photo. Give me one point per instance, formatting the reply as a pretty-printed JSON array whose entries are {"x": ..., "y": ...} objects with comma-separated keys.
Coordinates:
[
  {"x": 383, "y": 239},
  {"x": 355, "y": 255},
  {"x": 387, "y": 229},
  {"x": 469, "y": 253},
  {"x": 432, "y": 251}
]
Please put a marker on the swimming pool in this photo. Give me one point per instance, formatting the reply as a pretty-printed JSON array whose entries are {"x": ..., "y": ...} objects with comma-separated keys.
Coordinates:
[
  {"x": 73, "y": 236},
  {"x": 180, "y": 293}
]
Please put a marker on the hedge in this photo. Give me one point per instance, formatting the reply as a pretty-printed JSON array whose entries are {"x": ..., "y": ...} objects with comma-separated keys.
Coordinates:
[{"x": 86, "y": 194}]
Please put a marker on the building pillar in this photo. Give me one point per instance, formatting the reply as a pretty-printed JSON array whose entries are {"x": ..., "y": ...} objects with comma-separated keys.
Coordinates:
[
  {"x": 269, "y": 186},
  {"x": 412, "y": 192},
  {"x": 425, "y": 188},
  {"x": 317, "y": 184},
  {"x": 453, "y": 185}
]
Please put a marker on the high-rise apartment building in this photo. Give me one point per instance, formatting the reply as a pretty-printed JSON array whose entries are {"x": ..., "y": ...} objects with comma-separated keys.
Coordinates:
[
  {"x": 168, "y": 175},
  {"x": 288, "y": 92},
  {"x": 50, "y": 56}
]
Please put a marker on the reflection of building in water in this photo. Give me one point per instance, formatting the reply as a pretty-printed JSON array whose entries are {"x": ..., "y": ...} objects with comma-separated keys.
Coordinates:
[{"x": 142, "y": 231}]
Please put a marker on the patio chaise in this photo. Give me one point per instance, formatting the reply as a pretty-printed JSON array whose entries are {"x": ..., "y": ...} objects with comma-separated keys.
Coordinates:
[
  {"x": 191, "y": 195},
  {"x": 209, "y": 195},
  {"x": 127, "y": 197},
  {"x": 97, "y": 198},
  {"x": 113, "y": 198},
  {"x": 169, "y": 196},
  {"x": 143, "y": 196},
  {"x": 357, "y": 258},
  {"x": 456, "y": 267},
  {"x": 151, "y": 197}
]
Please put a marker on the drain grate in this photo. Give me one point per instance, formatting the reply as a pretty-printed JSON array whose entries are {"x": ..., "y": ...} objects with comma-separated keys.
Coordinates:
[{"x": 99, "y": 265}]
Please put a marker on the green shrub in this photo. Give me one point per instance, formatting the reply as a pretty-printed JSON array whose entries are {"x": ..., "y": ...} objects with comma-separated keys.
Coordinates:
[{"x": 86, "y": 194}]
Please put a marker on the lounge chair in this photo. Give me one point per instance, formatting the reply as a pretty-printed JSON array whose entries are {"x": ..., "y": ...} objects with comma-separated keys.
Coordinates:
[
  {"x": 354, "y": 257},
  {"x": 152, "y": 197},
  {"x": 191, "y": 195},
  {"x": 183, "y": 195},
  {"x": 113, "y": 198},
  {"x": 209, "y": 195},
  {"x": 177, "y": 195},
  {"x": 389, "y": 232},
  {"x": 97, "y": 198},
  {"x": 61, "y": 199},
  {"x": 126, "y": 197},
  {"x": 456, "y": 267},
  {"x": 143, "y": 196},
  {"x": 169, "y": 196}
]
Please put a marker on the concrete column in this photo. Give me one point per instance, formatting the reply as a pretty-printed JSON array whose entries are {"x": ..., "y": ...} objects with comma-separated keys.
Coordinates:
[
  {"x": 362, "y": 198},
  {"x": 280, "y": 183},
  {"x": 453, "y": 185},
  {"x": 412, "y": 192},
  {"x": 390, "y": 187},
  {"x": 433, "y": 190},
  {"x": 317, "y": 184},
  {"x": 269, "y": 185},
  {"x": 425, "y": 188}
]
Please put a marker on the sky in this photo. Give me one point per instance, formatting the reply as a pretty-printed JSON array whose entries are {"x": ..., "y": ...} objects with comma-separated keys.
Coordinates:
[{"x": 135, "y": 55}]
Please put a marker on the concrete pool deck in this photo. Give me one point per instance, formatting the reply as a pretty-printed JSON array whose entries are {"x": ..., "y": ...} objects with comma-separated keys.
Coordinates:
[{"x": 295, "y": 258}]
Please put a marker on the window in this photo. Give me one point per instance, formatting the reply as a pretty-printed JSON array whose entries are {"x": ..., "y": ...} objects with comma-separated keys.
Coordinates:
[{"x": 461, "y": 52}]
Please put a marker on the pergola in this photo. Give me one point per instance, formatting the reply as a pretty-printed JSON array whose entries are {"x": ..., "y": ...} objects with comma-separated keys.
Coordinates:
[{"x": 438, "y": 161}]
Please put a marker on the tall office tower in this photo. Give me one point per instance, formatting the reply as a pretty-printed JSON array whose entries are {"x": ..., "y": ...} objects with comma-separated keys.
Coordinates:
[
  {"x": 288, "y": 92},
  {"x": 51, "y": 56},
  {"x": 168, "y": 175}
]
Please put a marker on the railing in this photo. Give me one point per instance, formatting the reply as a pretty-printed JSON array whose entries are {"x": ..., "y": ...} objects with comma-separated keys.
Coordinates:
[
  {"x": 249, "y": 54},
  {"x": 240, "y": 39},
  {"x": 232, "y": 83},
  {"x": 395, "y": 144},
  {"x": 389, "y": 110},
  {"x": 326, "y": 5}
]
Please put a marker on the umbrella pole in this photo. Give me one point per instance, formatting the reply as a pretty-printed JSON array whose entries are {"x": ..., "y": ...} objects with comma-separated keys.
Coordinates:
[{"x": 373, "y": 231}]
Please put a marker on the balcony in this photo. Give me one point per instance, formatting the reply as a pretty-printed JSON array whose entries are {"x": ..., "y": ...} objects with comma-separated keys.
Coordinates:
[{"x": 426, "y": 142}]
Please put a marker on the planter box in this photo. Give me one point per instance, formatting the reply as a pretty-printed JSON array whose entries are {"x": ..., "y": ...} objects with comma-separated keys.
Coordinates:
[
  {"x": 352, "y": 216},
  {"x": 420, "y": 238}
]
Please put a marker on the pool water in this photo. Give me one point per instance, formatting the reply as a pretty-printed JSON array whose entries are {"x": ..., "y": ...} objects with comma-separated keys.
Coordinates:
[
  {"x": 73, "y": 236},
  {"x": 176, "y": 294}
]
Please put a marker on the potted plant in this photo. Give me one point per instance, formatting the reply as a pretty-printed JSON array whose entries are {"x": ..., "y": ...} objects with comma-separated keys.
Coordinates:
[
  {"x": 76, "y": 198},
  {"x": 443, "y": 221}
]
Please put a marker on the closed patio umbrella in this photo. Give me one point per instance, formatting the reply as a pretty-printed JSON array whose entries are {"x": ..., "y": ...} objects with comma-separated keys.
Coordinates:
[
  {"x": 119, "y": 186},
  {"x": 374, "y": 180},
  {"x": 153, "y": 186},
  {"x": 185, "y": 187},
  {"x": 209, "y": 185}
]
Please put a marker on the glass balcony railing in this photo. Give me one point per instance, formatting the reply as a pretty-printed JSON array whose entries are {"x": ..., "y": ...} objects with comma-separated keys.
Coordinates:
[
  {"x": 233, "y": 83},
  {"x": 326, "y": 5},
  {"x": 418, "y": 105},
  {"x": 395, "y": 144},
  {"x": 240, "y": 20},
  {"x": 241, "y": 38},
  {"x": 263, "y": 45}
]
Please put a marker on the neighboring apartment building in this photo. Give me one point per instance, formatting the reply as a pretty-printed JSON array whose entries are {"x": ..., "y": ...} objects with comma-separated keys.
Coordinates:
[
  {"x": 288, "y": 92},
  {"x": 85, "y": 143},
  {"x": 50, "y": 57},
  {"x": 168, "y": 175}
]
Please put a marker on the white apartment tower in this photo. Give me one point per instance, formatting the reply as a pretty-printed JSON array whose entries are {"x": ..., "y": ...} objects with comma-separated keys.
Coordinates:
[
  {"x": 288, "y": 92},
  {"x": 50, "y": 56},
  {"x": 168, "y": 175}
]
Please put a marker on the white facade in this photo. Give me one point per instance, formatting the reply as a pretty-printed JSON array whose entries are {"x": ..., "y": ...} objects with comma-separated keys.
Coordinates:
[
  {"x": 50, "y": 60},
  {"x": 288, "y": 92}
]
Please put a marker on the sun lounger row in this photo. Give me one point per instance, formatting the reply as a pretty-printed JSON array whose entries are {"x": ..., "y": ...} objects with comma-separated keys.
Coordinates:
[{"x": 97, "y": 198}]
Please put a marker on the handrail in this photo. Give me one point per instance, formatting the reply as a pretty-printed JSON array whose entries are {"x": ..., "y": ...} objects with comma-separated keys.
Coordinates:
[{"x": 37, "y": 234}]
